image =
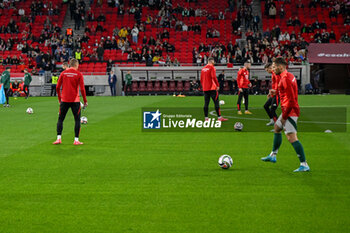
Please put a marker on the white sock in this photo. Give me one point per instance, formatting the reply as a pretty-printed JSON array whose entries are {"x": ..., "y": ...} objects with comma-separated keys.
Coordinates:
[
  {"x": 76, "y": 139},
  {"x": 304, "y": 164},
  {"x": 271, "y": 120},
  {"x": 58, "y": 137},
  {"x": 273, "y": 153}
]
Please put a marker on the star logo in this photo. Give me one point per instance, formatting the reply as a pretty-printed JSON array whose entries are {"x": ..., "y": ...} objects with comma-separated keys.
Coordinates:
[
  {"x": 156, "y": 115},
  {"x": 151, "y": 120}
]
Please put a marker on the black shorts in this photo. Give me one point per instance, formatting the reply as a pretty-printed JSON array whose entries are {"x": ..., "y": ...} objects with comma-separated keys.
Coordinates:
[
  {"x": 65, "y": 106},
  {"x": 214, "y": 95}
]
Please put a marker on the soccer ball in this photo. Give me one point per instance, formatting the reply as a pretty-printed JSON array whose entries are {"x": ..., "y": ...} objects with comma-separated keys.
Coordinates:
[
  {"x": 238, "y": 126},
  {"x": 83, "y": 120},
  {"x": 225, "y": 161},
  {"x": 29, "y": 111},
  {"x": 222, "y": 102}
]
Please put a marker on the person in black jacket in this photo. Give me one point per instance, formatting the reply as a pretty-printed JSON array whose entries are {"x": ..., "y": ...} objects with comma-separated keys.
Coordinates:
[{"x": 221, "y": 80}]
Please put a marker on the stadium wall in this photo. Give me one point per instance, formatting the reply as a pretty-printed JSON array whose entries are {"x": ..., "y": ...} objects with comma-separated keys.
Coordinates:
[
  {"x": 301, "y": 72},
  {"x": 97, "y": 85}
]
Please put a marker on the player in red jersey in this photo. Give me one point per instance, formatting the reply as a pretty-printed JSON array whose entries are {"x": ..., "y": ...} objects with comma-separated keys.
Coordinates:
[
  {"x": 273, "y": 97},
  {"x": 211, "y": 88},
  {"x": 70, "y": 80},
  {"x": 243, "y": 84},
  {"x": 287, "y": 121}
]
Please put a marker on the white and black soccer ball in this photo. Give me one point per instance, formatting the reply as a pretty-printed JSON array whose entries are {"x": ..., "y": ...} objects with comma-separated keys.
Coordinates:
[
  {"x": 221, "y": 102},
  {"x": 84, "y": 120},
  {"x": 225, "y": 161},
  {"x": 29, "y": 111},
  {"x": 238, "y": 126}
]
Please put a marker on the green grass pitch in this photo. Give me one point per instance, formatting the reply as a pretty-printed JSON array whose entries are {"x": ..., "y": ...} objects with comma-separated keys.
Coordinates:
[{"x": 125, "y": 180}]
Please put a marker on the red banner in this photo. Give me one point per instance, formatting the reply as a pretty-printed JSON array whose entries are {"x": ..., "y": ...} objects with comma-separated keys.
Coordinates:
[{"x": 329, "y": 53}]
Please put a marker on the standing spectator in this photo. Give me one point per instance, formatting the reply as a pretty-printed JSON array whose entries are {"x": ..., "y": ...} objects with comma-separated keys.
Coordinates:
[
  {"x": 27, "y": 81},
  {"x": 127, "y": 84},
  {"x": 72, "y": 8},
  {"x": 54, "y": 80},
  {"x": 272, "y": 12},
  {"x": 256, "y": 21},
  {"x": 109, "y": 65},
  {"x": 221, "y": 80},
  {"x": 100, "y": 52},
  {"x": 5, "y": 80},
  {"x": 135, "y": 34},
  {"x": 78, "y": 55},
  {"x": 112, "y": 81}
]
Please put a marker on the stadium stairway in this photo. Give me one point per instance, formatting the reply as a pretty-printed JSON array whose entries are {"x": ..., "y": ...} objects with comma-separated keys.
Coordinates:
[
  {"x": 46, "y": 90},
  {"x": 68, "y": 23},
  {"x": 256, "y": 7}
]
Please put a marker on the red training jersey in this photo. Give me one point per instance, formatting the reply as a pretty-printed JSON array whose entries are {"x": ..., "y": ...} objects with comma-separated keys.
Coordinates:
[
  {"x": 288, "y": 90},
  {"x": 70, "y": 80},
  {"x": 208, "y": 78},
  {"x": 275, "y": 79},
  {"x": 243, "y": 78}
]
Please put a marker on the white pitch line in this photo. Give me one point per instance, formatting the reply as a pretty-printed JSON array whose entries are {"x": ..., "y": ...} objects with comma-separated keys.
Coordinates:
[{"x": 213, "y": 113}]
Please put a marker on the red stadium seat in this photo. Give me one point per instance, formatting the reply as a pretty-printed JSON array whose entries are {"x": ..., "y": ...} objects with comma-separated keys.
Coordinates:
[
  {"x": 187, "y": 86},
  {"x": 165, "y": 86},
  {"x": 172, "y": 86},
  {"x": 179, "y": 86},
  {"x": 134, "y": 86},
  {"x": 142, "y": 86},
  {"x": 149, "y": 86},
  {"x": 156, "y": 86}
]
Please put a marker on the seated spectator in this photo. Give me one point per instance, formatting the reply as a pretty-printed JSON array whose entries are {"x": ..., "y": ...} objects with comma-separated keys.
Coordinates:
[
  {"x": 282, "y": 12},
  {"x": 165, "y": 34},
  {"x": 290, "y": 21},
  {"x": 300, "y": 4},
  {"x": 184, "y": 27},
  {"x": 99, "y": 28},
  {"x": 170, "y": 48},
  {"x": 323, "y": 3},
  {"x": 347, "y": 20},
  {"x": 149, "y": 20},
  {"x": 221, "y": 16},
  {"x": 323, "y": 25},
  {"x": 121, "y": 10},
  {"x": 305, "y": 29},
  {"x": 21, "y": 12},
  {"x": 345, "y": 38},
  {"x": 332, "y": 35},
  {"x": 316, "y": 25},
  {"x": 123, "y": 33},
  {"x": 296, "y": 21},
  {"x": 332, "y": 14},
  {"x": 101, "y": 18},
  {"x": 216, "y": 33},
  {"x": 284, "y": 37},
  {"x": 151, "y": 41},
  {"x": 313, "y": 4}
]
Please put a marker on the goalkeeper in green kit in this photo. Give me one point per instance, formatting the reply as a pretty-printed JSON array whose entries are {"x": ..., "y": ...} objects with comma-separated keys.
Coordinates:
[{"x": 27, "y": 81}]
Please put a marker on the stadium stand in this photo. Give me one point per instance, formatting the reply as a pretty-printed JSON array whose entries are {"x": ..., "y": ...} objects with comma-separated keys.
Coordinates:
[
  {"x": 164, "y": 33},
  {"x": 25, "y": 31}
]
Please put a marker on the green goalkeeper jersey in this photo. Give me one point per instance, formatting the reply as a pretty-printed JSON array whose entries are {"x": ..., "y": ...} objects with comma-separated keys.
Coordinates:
[
  {"x": 128, "y": 79},
  {"x": 27, "y": 79},
  {"x": 5, "y": 79}
]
